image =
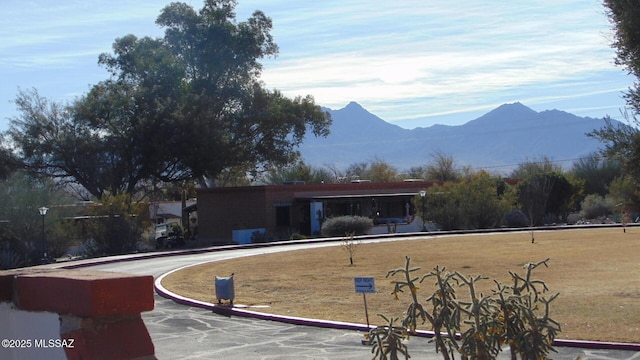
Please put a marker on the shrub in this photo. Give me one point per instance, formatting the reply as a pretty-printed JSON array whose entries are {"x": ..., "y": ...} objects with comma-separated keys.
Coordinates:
[
  {"x": 343, "y": 225},
  {"x": 116, "y": 226},
  {"x": 10, "y": 259},
  {"x": 297, "y": 236},
  {"x": 594, "y": 206},
  {"x": 515, "y": 219},
  {"x": 573, "y": 218}
]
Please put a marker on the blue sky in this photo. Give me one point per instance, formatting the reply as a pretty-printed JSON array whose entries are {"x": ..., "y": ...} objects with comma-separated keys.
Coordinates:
[{"x": 413, "y": 63}]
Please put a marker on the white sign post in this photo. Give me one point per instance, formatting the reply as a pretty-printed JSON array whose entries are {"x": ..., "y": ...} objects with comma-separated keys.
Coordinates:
[{"x": 365, "y": 285}]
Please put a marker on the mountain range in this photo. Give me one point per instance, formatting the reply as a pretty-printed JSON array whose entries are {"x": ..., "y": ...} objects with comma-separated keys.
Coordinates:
[{"x": 497, "y": 141}]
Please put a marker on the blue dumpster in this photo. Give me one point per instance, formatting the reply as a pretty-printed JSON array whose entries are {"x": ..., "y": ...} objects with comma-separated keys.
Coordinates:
[{"x": 224, "y": 289}]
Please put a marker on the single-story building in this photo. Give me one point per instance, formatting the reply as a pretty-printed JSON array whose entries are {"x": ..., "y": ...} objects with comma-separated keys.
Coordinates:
[
  {"x": 165, "y": 214},
  {"x": 162, "y": 212},
  {"x": 282, "y": 210}
]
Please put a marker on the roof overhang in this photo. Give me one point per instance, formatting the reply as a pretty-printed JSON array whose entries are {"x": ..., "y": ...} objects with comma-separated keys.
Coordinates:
[{"x": 353, "y": 196}]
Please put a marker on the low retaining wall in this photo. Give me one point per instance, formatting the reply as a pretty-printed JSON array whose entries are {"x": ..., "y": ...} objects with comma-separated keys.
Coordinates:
[{"x": 74, "y": 314}]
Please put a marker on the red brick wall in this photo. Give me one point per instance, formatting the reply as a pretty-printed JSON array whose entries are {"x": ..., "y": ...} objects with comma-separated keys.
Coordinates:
[{"x": 99, "y": 311}]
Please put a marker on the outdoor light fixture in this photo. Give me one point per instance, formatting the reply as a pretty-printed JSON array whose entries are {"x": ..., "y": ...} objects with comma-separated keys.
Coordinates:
[
  {"x": 423, "y": 195},
  {"x": 43, "y": 211}
]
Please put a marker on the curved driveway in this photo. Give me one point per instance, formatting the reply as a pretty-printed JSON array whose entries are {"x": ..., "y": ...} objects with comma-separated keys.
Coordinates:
[{"x": 188, "y": 332}]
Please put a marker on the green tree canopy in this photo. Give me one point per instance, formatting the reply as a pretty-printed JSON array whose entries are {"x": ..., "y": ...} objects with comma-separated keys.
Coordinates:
[
  {"x": 477, "y": 201},
  {"x": 442, "y": 168},
  {"x": 534, "y": 167},
  {"x": 624, "y": 15},
  {"x": 596, "y": 173},
  {"x": 377, "y": 170},
  {"x": 298, "y": 172},
  {"x": 621, "y": 145},
  {"x": 622, "y": 141},
  {"x": 115, "y": 225},
  {"x": 543, "y": 194},
  {"x": 21, "y": 223},
  {"x": 8, "y": 161},
  {"x": 186, "y": 106}
]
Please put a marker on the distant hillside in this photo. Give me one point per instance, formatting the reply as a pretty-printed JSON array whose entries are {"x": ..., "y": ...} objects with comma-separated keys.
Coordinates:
[{"x": 498, "y": 140}]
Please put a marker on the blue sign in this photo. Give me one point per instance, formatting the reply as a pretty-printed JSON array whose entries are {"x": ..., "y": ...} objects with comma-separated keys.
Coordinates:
[{"x": 365, "y": 285}]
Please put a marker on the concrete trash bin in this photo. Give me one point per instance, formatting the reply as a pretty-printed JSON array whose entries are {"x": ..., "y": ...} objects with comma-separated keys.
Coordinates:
[{"x": 224, "y": 289}]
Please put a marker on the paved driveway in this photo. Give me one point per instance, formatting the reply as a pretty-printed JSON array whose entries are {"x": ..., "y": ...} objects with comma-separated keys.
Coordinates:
[{"x": 185, "y": 332}]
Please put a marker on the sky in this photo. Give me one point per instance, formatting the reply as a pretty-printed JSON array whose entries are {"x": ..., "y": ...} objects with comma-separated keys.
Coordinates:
[{"x": 412, "y": 63}]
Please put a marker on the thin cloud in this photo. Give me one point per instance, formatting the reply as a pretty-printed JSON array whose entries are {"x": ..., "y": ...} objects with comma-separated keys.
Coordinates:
[
  {"x": 401, "y": 60},
  {"x": 468, "y": 51}
]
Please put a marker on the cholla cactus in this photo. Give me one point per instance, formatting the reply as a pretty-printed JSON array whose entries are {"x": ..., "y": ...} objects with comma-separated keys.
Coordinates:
[
  {"x": 388, "y": 340},
  {"x": 528, "y": 334},
  {"x": 482, "y": 339},
  {"x": 510, "y": 315},
  {"x": 416, "y": 311},
  {"x": 445, "y": 312}
]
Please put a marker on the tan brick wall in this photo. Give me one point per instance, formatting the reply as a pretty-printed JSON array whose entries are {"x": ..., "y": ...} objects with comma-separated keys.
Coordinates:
[{"x": 222, "y": 210}]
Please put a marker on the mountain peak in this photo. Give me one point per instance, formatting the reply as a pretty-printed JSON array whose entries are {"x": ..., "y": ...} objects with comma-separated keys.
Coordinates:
[
  {"x": 509, "y": 134},
  {"x": 505, "y": 112},
  {"x": 355, "y": 110},
  {"x": 354, "y": 119},
  {"x": 513, "y": 109},
  {"x": 353, "y": 106}
]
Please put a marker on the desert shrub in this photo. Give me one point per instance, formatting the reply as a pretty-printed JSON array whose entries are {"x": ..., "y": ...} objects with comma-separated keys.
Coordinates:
[
  {"x": 594, "y": 206},
  {"x": 116, "y": 226},
  {"x": 10, "y": 259},
  {"x": 573, "y": 218},
  {"x": 297, "y": 236},
  {"x": 343, "y": 225},
  {"x": 514, "y": 219}
]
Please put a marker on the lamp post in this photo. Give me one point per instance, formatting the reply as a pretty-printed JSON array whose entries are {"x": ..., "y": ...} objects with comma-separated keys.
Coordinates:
[
  {"x": 423, "y": 196},
  {"x": 43, "y": 211}
]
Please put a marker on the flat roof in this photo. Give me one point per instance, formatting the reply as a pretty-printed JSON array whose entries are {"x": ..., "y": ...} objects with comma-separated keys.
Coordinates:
[{"x": 352, "y": 196}]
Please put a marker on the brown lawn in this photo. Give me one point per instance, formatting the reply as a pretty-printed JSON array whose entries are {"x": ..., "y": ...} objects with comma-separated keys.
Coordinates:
[{"x": 596, "y": 272}]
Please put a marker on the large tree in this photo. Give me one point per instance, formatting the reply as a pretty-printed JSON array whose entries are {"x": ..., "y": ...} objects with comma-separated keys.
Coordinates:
[
  {"x": 8, "y": 161},
  {"x": 535, "y": 167},
  {"x": 21, "y": 225},
  {"x": 544, "y": 194},
  {"x": 227, "y": 118},
  {"x": 595, "y": 173},
  {"x": 625, "y": 15},
  {"x": 90, "y": 142},
  {"x": 377, "y": 170},
  {"x": 298, "y": 172},
  {"x": 442, "y": 168},
  {"x": 186, "y": 106},
  {"x": 622, "y": 141}
]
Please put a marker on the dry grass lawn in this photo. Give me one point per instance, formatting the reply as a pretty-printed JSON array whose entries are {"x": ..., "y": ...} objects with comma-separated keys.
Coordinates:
[{"x": 596, "y": 272}]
